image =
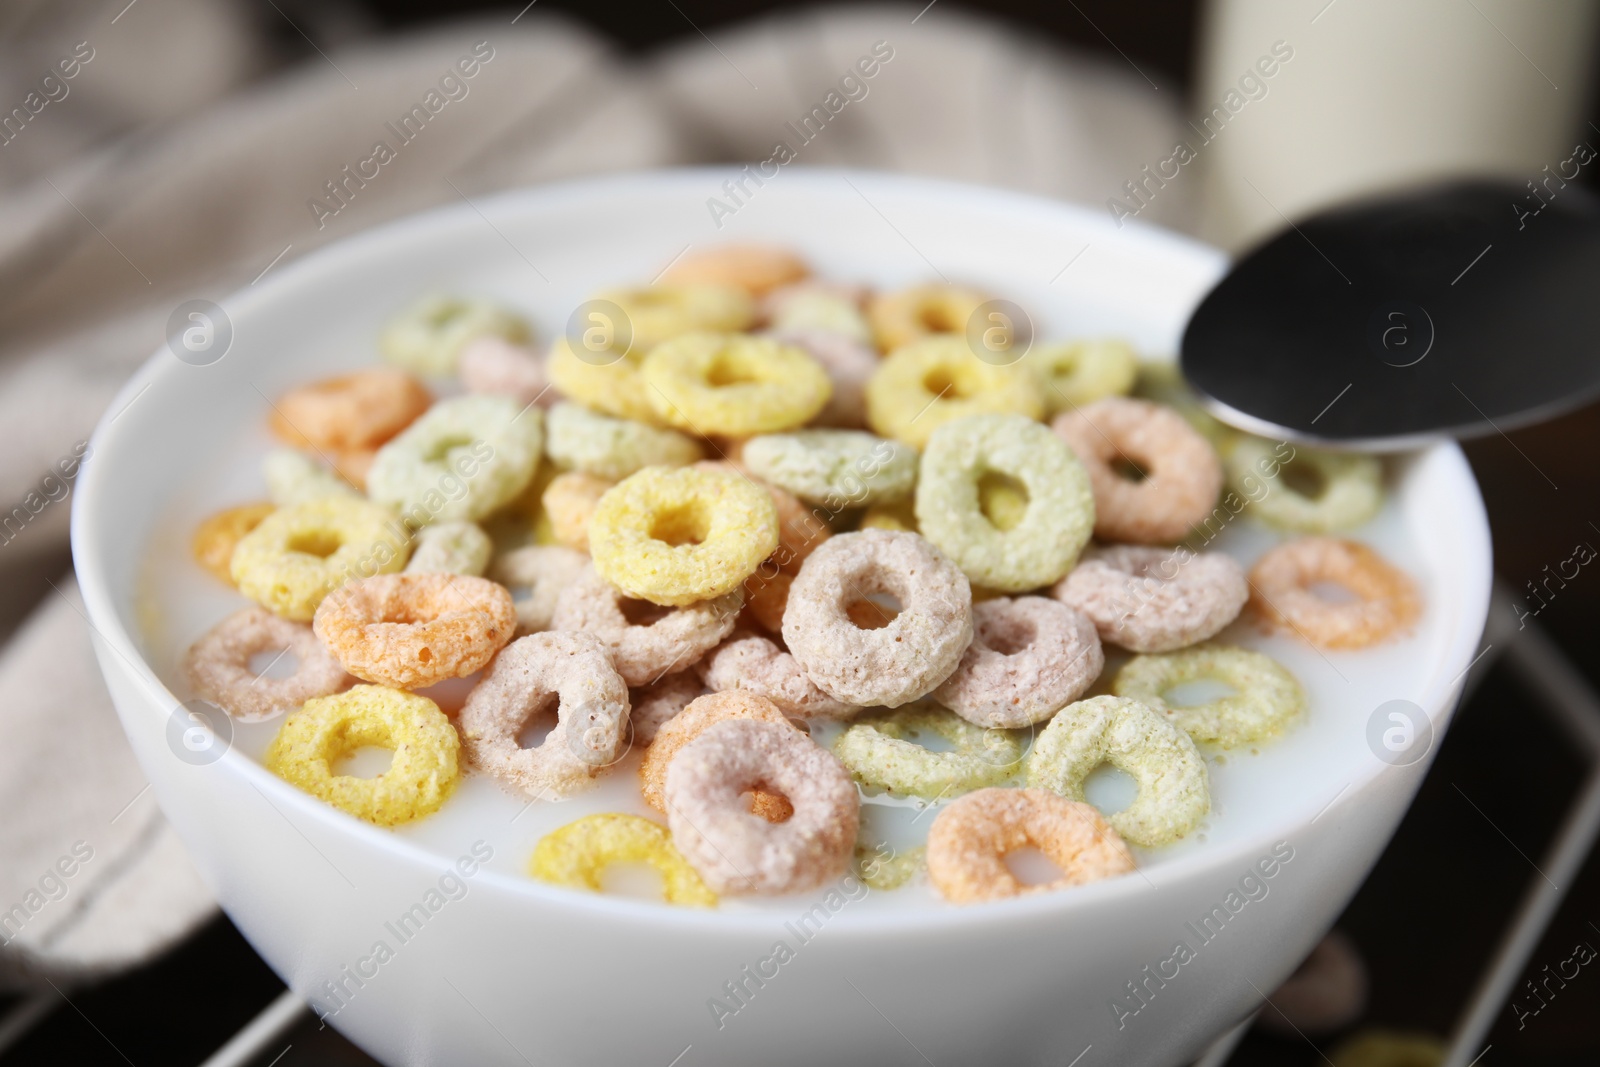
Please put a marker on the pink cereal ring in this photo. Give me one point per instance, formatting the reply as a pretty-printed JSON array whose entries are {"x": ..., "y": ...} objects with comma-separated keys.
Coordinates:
[
  {"x": 661, "y": 700},
  {"x": 1029, "y": 658},
  {"x": 893, "y": 664},
  {"x": 736, "y": 851},
  {"x": 410, "y": 631},
  {"x": 1182, "y": 472},
  {"x": 218, "y": 665},
  {"x": 645, "y": 641},
  {"x": 848, "y": 363},
  {"x": 756, "y": 665},
  {"x": 1155, "y": 599},
  {"x": 491, "y": 364},
  {"x": 568, "y": 673}
]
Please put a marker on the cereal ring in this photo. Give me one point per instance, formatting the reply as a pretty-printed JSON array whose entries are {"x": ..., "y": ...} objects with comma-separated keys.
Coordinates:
[
  {"x": 838, "y": 468},
  {"x": 1163, "y": 383},
  {"x": 300, "y": 554},
  {"x": 1076, "y": 373},
  {"x": 420, "y": 778},
  {"x": 1174, "y": 791},
  {"x": 1041, "y": 546},
  {"x": 969, "y": 840},
  {"x": 1325, "y": 994},
  {"x": 1342, "y": 490},
  {"x": 645, "y": 644},
  {"x": 1182, "y": 473},
  {"x": 1029, "y": 658},
  {"x": 800, "y": 531},
  {"x": 659, "y": 313},
  {"x": 883, "y": 751},
  {"x": 292, "y": 477},
  {"x": 428, "y": 336},
  {"x": 901, "y": 661},
  {"x": 351, "y": 412},
  {"x": 1266, "y": 697},
  {"x": 659, "y": 701},
  {"x": 909, "y": 315},
  {"x": 756, "y": 269},
  {"x": 1281, "y": 592},
  {"x": 735, "y": 852},
  {"x": 673, "y": 536},
  {"x": 578, "y": 439},
  {"x": 1387, "y": 1048},
  {"x": 535, "y": 577},
  {"x": 818, "y": 308},
  {"x": 462, "y": 460},
  {"x": 218, "y": 665},
  {"x": 924, "y": 385},
  {"x": 450, "y": 548},
  {"x": 891, "y": 871},
  {"x": 352, "y": 464},
  {"x": 849, "y": 364},
  {"x": 1155, "y": 599},
  {"x": 902, "y": 516},
  {"x": 577, "y": 855},
  {"x": 765, "y": 597},
  {"x": 490, "y": 364},
  {"x": 410, "y": 631},
  {"x": 568, "y": 673},
  {"x": 699, "y": 715},
  {"x": 568, "y": 503},
  {"x": 603, "y": 379},
  {"x": 217, "y": 536},
  {"x": 733, "y": 384},
  {"x": 751, "y": 663}
]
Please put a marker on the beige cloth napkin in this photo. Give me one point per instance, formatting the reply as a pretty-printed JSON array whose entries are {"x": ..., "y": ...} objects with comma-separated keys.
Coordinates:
[{"x": 152, "y": 182}]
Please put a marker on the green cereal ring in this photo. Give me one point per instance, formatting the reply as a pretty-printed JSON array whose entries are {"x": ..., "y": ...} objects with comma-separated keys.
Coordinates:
[
  {"x": 464, "y": 458},
  {"x": 300, "y": 554},
  {"x": 883, "y": 751},
  {"x": 1081, "y": 372},
  {"x": 1045, "y": 541},
  {"x": 885, "y": 871},
  {"x": 927, "y": 383},
  {"x": 451, "y": 548},
  {"x": 676, "y": 535},
  {"x": 426, "y": 751},
  {"x": 293, "y": 477},
  {"x": 578, "y": 439},
  {"x": 607, "y": 381},
  {"x": 839, "y": 468},
  {"x": 1267, "y": 696},
  {"x": 658, "y": 313},
  {"x": 734, "y": 384},
  {"x": 1347, "y": 490},
  {"x": 1162, "y": 383},
  {"x": 1174, "y": 794},
  {"x": 429, "y": 335}
]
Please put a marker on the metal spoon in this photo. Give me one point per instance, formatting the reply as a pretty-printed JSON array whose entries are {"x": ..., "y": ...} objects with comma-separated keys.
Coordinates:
[{"x": 1454, "y": 310}]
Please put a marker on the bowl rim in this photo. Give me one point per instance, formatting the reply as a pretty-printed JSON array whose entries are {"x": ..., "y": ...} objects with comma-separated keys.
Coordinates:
[{"x": 91, "y": 526}]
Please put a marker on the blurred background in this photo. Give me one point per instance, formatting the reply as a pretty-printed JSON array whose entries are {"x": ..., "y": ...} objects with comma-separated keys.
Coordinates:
[{"x": 180, "y": 157}]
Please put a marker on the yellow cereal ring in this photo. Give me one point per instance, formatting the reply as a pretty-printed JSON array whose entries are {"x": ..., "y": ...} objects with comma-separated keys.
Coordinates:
[
  {"x": 605, "y": 379},
  {"x": 924, "y": 385},
  {"x": 911, "y": 314},
  {"x": 566, "y": 506},
  {"x": 658, "y": 313},
  {"x": 300, "y": 554},
  {"x": 675, "y": 536},
  {"x": 578, "y": 854},
  {"x": 1080, "y": 372},
  {"x": 903, "y": 516},
  {"x": 734, "y": 385},
  {"x": 218, "y": 535},
  {"x": 421, "y": 777}
]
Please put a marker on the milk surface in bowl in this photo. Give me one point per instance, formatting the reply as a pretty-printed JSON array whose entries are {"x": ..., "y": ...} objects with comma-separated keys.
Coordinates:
[{"x": 543, "y": 256}]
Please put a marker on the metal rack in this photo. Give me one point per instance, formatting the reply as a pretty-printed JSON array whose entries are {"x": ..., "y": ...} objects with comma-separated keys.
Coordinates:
[{"x": 1565, "y": 696}]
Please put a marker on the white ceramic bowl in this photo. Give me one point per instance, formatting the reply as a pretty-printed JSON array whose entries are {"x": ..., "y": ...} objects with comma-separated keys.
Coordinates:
[{"x": 503, "y": 970}]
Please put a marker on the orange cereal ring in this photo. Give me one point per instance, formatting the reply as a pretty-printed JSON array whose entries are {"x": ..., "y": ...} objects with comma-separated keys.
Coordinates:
[
  {"x": 969, "y": 840},
  {"x": 352, "y": 411},
  {"x": 690, "y": 723},
  {"x": 409, "y": 631},
  {"x": 1181, "y": 472},
  {"x": 766, "y": 592},
  {"x": 911, "y": 314},
  {"x": 757, "y": 269},
  {"x": 1281, "y": 591},
  {"x": 352, "y": 464},
  {"x": 217, "y": 535},
  {"x": 569, "y": 502}
]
